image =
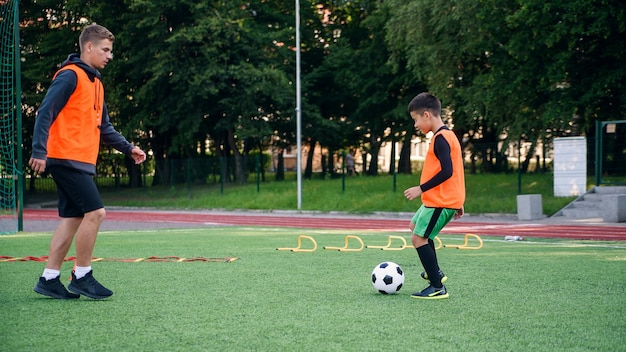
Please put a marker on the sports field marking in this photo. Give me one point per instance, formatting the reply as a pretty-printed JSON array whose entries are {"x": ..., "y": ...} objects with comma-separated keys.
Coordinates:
[
  {"x": 564, "y": 243},
  {"x": 155, "y": 259}
]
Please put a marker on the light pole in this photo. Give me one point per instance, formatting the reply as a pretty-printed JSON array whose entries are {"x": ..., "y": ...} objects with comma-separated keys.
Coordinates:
[{"x": 298, "y": 109}]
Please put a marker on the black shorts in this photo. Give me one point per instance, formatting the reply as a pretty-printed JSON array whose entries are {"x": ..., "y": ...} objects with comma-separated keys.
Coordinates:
[{"x": 78, "y": 193}]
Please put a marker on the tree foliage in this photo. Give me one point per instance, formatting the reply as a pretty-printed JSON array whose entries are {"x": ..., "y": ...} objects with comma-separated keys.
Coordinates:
[
  {"x": 193, "y": 79},
  {"x": 518, "y": 69}
]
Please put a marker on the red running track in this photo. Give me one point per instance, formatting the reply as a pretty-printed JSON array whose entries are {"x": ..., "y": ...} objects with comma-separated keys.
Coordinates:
[{"x": 582, "y": 232}]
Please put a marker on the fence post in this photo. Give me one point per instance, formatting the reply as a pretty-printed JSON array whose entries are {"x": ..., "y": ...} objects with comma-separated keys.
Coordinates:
[
  {"x": 258, "y": 172},
  {"x": 171, "y": 161},
  {"x": 188, "y": 177},
  {"x": 598, "y": 161},
  {"x": 392, "y": 164},
  {"x": 222, "y": 173},
  {"x": 343, "y": 171},
  {"x": 142, "y": 169}
]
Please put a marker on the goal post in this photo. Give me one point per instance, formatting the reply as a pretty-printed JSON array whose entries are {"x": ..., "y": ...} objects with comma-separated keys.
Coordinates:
[{"x": 11, "y": 177}]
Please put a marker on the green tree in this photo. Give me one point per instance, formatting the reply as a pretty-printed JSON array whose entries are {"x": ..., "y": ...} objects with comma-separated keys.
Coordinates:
[
  {"x": 364, "y": 99},
  {"x": 196, "y": 71},
  {"x": 523, "y": 69}
]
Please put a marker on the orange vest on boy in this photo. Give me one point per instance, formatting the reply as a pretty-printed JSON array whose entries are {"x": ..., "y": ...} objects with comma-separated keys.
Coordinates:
[
  {"x": 75, "y": 133},
  {"x": 451, "y": 193}
]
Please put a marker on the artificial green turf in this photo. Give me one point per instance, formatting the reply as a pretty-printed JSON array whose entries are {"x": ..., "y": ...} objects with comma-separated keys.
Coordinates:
[{"x": 539, "y": 295}]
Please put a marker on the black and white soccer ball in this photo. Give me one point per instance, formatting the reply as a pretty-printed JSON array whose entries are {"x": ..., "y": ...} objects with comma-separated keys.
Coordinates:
[{"x": 388, "y": 278}]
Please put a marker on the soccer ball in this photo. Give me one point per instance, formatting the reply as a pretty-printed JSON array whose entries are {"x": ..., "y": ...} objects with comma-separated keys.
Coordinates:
[{"x": 388, "y": 278}]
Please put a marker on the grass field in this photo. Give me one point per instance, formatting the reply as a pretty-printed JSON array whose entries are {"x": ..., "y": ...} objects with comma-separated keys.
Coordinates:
[
  {"x": 486, "y": 193},
  {"x": 539, "y": 295}
]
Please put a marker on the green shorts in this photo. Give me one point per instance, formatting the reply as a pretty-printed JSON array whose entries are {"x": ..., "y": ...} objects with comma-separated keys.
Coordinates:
[{"x": 429, "y": 221}]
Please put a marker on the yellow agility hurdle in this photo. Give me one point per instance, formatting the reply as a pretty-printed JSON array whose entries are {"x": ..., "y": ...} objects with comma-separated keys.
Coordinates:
[
  {"x": 299, "y": 248},
  {"x": 466, "y": 244},
  {"x": 404, "y": 245},
  {"x": 345, "y": 248},
  {"x": 388, "y": 247},
  {"x": 439, "y": 244}
]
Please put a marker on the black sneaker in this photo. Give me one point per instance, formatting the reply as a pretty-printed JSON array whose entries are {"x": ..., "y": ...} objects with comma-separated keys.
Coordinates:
[
  {"x": 53, "y": 288},
  {"x": 89, "y": 286},
  {"x": 431, "y": 292},
  {"x": 443, "y": 276}
]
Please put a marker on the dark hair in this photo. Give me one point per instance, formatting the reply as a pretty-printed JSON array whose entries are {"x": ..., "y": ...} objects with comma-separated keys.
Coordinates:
[
  {"x": 425, "y": 101},
  {"x": 94, "y": 33}
]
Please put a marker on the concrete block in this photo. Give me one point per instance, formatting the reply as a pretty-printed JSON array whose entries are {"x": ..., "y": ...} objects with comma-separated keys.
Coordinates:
[
  {"x": 614, "y": 208},
  {"x": 529, "y": 207}
]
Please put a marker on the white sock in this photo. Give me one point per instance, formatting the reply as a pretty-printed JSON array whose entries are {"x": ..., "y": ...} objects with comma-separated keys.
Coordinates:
[
  {"x": 81, "y": 271},
  {"x": 50, "y": 274}
]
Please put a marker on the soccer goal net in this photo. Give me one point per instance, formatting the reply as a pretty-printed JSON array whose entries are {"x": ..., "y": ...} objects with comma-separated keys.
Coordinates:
[{"x": 10, "y": 115}]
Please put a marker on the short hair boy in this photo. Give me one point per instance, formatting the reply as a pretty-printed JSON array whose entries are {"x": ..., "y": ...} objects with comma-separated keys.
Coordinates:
[{"x": 442, "y": 188}]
